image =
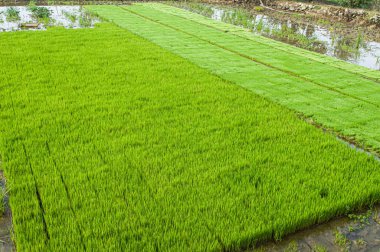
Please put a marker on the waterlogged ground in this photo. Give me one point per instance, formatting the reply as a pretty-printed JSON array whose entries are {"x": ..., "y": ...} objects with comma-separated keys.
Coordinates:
[
  {"x": 6, "y": 243},
  {"x": 356, "y": 232},
  {"x": 151, "y": 132},
  {"x": 65, "y": 16},
  {"x": 353, "y": 46}
]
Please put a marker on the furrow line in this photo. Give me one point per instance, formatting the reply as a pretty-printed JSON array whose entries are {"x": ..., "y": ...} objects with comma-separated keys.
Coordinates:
[
  {"x": 68, "y": 196},
  {"x": 376, "y": 80},
  {"x": 253, "y": 59},
  {"x": 38, "y": 195}
]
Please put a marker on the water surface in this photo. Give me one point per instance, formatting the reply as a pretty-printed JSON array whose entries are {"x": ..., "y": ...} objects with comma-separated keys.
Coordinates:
[
  {"x": 353, "y": 46},
  {"x": 66, "y": 16}
]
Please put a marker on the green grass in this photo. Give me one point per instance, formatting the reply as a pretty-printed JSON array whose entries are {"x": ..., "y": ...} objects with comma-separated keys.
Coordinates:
[
  {"x": 110, "y": 142},
  {"x": 333, "y": 93}
]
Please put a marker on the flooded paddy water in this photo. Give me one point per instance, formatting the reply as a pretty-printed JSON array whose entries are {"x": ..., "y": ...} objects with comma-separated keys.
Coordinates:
[
  {"x": 23, "y": 18},
  {"x": 357, "y": 46},
  {"x": 359, "y": 232},
  {"x": 356, "y": 232}
]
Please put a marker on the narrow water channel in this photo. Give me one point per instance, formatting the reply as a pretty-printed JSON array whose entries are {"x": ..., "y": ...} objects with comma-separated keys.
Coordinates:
[{"x": 353, "y": 46}]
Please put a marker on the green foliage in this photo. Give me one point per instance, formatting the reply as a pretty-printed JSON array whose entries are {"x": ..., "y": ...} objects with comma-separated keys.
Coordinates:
[
  {"x": 195, "y": 6},
  {"x": 12, "y": 14},
  {"x": 341, "y": 240},
  {"x": 354, "y": 3},
  {"x": 292, "y": 247},
  {"x": 3, "y": 195},
  {"x": 361, "y": 242},
  {"x": 38, "y": 12},
  {"x": 290, "y": 35},
  {"x": 259, "y": 8},
  {"x": 239, "y": 17},
  {"x": 361, "y": 219},
  {"x": 376, "y": 5},
  {"x": 85, "y": 20},
  {"x": 72, "y": 17},
  {"x": 338, "y": 95},
  {"x": 319, "y": 248},
  {"x": 110, "y": 142},
  {"x": 243, "y": 17}
]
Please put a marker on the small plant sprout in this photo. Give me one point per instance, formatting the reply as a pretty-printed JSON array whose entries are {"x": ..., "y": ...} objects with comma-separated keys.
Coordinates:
[
  {"x": 341, "y": 239},
  {"x": 319, "y": 248},
  {"x": 12, "y": 14},
  {"x": 360, "y": 242},
  {"x": 292, "y": 247}
]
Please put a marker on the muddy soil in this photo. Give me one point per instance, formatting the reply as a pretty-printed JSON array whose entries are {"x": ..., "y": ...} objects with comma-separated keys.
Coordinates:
[
  {"x": 357, "y": 232},
  {"x": 6, "y": 243}
]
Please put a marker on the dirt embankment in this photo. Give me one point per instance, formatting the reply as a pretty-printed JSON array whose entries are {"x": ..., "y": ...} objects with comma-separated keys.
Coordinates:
[
  {"x": 362, "y": 17},
  {"x": 359, "y": 16}
]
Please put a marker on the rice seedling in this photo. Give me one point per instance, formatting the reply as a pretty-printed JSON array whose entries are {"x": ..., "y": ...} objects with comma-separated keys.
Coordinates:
[
  {"x": 290, "y": 35},
  {"x": 12, "y": 14},
  {"x": 72, "y": 17},
  {"x": 360, "y": 242},
  {"x": 292, "y": 247},
  {"x": 38, "y": 12},
  {"x": 259, "y": 26},
  {"x": 319, "y": 248},
  {"x": 341, "y": 239},
  {"x": 258, "y": 8},
  {"x": 85, "y": 20},
  {"x": 359, "y": 41},
  {"x": 117, "y": 144},
  {"x": 333, "y": 93},
  {"x": 196, "y": 7}
]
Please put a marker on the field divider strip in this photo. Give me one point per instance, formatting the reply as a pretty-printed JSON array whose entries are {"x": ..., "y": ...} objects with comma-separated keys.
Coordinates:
[
  {"x": 253, "y": 59},
  {"x": 376, "y": 80},
  {"x": 68, "y": 195},
  {"x": 37, "y": 194}
]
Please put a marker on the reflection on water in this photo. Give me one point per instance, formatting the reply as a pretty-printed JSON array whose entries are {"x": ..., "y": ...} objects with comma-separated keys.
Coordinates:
[
  {"x": 315, "y": 37},
  {"x": 357, "y": 232},
  {"x": 65, "y": 16}
]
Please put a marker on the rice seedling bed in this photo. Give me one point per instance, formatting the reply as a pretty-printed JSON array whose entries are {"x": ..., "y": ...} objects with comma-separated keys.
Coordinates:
[
  {"x": 110, "y": 142},
  {"x": 333, "y": 93}
]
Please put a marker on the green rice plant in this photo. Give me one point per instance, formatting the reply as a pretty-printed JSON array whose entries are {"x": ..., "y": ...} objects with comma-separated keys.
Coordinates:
[
  {"x": 361, "y": 242},
  {"x": 319, "y": 248},
  {"x": 51, "y": 2},
  {"x": 341, "y": 240},
  {"x": 335, "y": 94},
  {"x": 359, "y": 41},
  {"x": 291, "y": 36},
  {"x": 39, "y": 13},
  {"x": 32, "y": 6},
  {"x": 199, "y": 8},
  {"x": 240, "y": 17},
  {"x": 12, "y": 14},
  {"x": 361, "y": 219},
  {"x": 292, "y": 247},
  {"x": 3, "y": 195},
  {"x": 111, "y": 142},
  {"x": 259, "y": 26},
  {"x": 85, "y": 20},
  {"x": 259, "y": 8},
  {"x": 72, "y": 17}
]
